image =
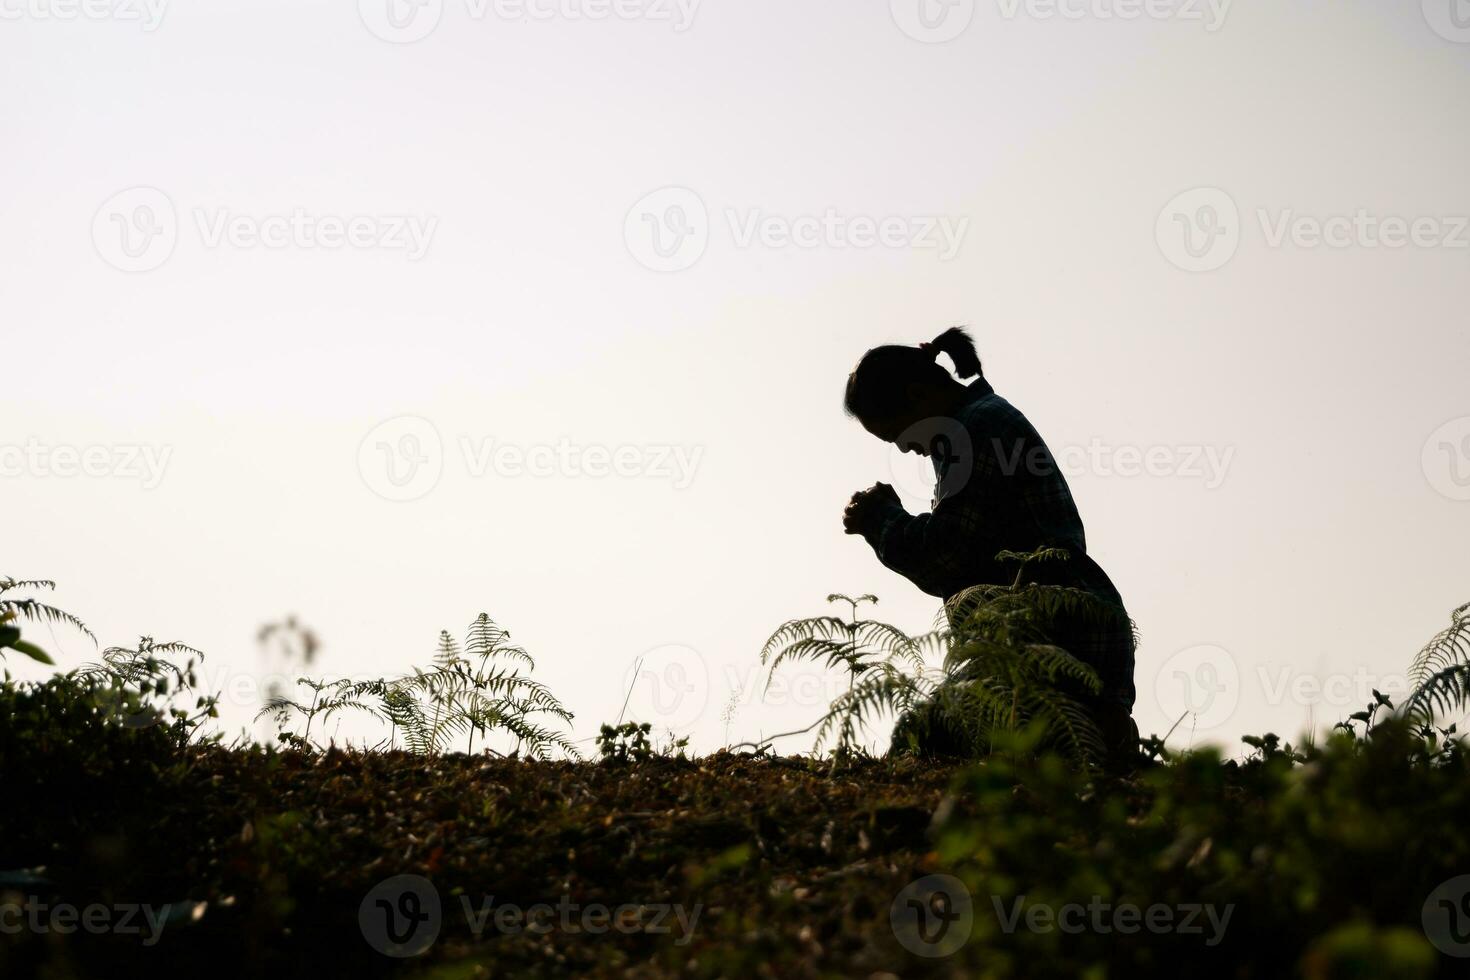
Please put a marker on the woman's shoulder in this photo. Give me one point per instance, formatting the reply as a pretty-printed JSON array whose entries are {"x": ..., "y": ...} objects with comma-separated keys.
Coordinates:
[{"x": 989, "y": 411}]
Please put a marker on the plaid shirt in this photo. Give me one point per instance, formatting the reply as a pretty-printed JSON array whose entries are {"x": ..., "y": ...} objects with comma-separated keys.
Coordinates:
[{"x": 999, "y": 489}]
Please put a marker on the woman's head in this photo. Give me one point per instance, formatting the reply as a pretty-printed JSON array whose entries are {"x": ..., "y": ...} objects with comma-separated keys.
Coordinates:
[{"x": 895, "y": 387}]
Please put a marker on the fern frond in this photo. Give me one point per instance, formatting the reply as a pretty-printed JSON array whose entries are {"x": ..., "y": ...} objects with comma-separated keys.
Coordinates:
[
  {"x": 1440, "y": 671},
  {"x": 1449, "y": 646},
  {"x": 41, "y": 613},
  {"x": 6, "y": 584},
  {"x": 822, "y": 627}
]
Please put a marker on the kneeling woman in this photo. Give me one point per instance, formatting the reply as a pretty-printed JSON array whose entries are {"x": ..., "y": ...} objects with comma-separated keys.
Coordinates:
[{"x": 998, "y": 489}]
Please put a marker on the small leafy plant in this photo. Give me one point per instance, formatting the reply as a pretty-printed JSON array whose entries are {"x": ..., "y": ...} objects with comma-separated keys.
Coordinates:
[
  {"x": 143, "y": 686},
  {"x": 477, "y": 690},
  {"x": 629, "y": 742}
]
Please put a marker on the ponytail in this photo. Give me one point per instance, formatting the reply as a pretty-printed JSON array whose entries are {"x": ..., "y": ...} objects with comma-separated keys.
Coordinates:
[
  {"x": 961, "y": 349},
  {"x": 878, "y": 388}
]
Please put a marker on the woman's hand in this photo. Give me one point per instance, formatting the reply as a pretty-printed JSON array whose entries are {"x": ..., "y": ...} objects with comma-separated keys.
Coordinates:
[{"x": 866, "y": 505}]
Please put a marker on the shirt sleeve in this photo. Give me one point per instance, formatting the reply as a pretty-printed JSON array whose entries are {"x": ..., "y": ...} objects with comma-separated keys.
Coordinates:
[{"x": 932, "y": 550}]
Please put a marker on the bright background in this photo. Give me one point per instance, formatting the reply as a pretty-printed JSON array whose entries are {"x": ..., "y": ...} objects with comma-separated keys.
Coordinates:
[{"x": 1330, "y": 550}]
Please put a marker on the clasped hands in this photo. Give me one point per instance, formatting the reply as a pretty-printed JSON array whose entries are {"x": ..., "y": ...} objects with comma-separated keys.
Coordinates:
[{"x": 866, "y": 505}]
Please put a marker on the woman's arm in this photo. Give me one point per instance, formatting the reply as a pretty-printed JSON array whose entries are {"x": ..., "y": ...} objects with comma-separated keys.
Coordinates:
[{"x": 933, "y": 550}]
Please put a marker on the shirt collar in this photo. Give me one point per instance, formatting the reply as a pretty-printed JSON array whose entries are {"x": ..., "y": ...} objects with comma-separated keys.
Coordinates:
[{"x": 980, "y": 388}]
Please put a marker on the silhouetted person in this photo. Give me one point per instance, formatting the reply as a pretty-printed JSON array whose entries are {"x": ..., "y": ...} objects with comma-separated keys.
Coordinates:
[{"x": 998, "y": 489}]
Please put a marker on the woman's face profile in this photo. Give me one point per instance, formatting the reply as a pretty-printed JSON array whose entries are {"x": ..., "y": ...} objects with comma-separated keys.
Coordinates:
[
  {"x": 902, "y": 429},
  {"x": 896, "y": 432}
]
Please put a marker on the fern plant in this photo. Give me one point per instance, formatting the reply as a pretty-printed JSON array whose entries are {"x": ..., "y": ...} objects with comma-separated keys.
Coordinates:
[
  {"x": 142, "y": 686},
  {"x": 1441, "y": 671},
  {"x": 326, "y": 699},
  {"x": 467, "y": 691},
  {"x": 1006, "y": 672},
  {"x": 885, "y": 668},
  {"x": 1003, "y": 673}
]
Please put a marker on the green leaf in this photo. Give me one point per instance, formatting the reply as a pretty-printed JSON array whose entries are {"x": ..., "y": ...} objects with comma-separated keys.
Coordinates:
[{"x": 32, "y": 651}]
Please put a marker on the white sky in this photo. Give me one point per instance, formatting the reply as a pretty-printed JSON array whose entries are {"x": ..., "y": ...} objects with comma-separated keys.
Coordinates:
[{"x": 1333, "y": 546}]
